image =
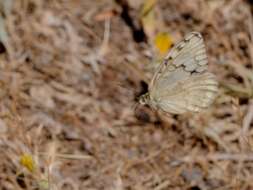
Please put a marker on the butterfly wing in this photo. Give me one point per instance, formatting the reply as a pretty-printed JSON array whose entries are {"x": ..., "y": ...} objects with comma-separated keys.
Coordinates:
[
  {"x": 189, "y": 53},
  {"x": 192, "y": 94},
  {"x": 181, "y": 82}
]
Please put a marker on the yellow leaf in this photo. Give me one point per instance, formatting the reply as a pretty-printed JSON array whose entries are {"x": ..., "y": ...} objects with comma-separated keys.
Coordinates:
[
  {"x": 147, "y": 7},
  {"x": 43, "y": 184},
  {"x": 148, "y": 18},
  {"x": 27, "y": 161},
  {"x": 163, "y": 42}
]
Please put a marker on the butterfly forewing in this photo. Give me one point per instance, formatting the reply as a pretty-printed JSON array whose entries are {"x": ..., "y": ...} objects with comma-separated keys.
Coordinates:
[
  {"x": 189, "y": 53},
  {"x": 181, "y": 83}
]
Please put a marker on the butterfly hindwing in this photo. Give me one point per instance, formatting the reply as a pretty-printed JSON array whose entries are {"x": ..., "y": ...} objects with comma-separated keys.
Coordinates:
[{"x": 194, "y": 94}]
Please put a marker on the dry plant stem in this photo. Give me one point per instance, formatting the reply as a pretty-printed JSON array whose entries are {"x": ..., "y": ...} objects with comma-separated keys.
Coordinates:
[
  {"x": 131, "y": 163},
  {"x": 250, "y": 43},
  {"x": 218, "y": 157},
  {"x": 69, "y": 156},
  {"x": 247, "y": 120}
]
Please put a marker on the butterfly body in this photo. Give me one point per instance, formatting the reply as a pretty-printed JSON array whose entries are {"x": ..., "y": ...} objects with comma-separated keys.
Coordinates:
[{"x": 182, "y": 83}]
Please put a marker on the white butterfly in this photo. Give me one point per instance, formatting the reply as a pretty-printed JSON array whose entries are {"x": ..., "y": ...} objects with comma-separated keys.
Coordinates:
[{"x": 182, "y": 83}]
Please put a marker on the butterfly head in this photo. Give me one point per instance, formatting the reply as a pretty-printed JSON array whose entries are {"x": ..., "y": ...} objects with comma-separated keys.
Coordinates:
[{"x": 144, "y": 99}]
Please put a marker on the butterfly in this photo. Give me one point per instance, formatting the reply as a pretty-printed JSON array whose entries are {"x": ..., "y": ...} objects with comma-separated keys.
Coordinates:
[{"x": 181, "y": 82}]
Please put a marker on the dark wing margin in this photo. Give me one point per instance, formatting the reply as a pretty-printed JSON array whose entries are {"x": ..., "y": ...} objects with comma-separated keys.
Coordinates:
[{"x": 189, "y": 53}]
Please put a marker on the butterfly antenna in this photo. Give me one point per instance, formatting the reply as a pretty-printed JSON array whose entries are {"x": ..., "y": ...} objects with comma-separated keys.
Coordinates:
[
  {"x": 119, "y": 84},
  {"x": 134, "y": 105}
]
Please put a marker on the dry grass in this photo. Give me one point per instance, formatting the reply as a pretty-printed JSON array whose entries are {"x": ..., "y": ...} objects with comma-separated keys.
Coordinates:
[{"x": 61, "y": 101}]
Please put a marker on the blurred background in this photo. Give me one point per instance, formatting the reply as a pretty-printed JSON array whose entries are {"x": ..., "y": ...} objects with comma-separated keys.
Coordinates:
[{"x": 70, "y": 76}]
